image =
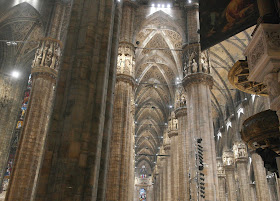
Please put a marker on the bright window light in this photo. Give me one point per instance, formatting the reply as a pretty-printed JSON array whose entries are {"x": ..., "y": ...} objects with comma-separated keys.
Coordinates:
[
  {"x": 168, "y": 6},
  {"x": 153, "y": 5},
  {"x": 158, "y": 5},
  {"x": 15, "y": 74}
]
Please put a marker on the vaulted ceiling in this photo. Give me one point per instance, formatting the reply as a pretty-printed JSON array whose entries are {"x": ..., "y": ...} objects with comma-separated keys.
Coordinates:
[{"x": 158, "y": 63}]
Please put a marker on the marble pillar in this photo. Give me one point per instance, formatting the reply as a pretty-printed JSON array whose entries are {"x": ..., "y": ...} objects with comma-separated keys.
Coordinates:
[
  {"x": 72, "y": 164},
  {"x": 228, "y": 162},
  {"x": 260, "y": 178},
  {"x": 118, "y": 185},
  {"x": 173, "y": 135},
  {"x": 166, "y": 146},
  {"x": 197, "y": 83},
  {"x": 221, "y": 180},
  {"x": 31, "y": 147},
  {"x": 183, "y": 149},
  {"x": 241, "y": 161}
]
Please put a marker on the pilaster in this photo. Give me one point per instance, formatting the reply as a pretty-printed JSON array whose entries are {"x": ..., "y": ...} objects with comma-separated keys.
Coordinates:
[
  {"x": 241, "y": 161},
  {"x": 228, "y": 162},
  {"x": 260, "y": 177}
]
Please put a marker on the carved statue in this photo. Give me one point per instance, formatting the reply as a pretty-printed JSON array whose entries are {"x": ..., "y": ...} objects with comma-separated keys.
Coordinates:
[
  {"x": 240, "y": 150},
  {"x": 228, "y": 158},
  {"x": 194, "y": 66}
]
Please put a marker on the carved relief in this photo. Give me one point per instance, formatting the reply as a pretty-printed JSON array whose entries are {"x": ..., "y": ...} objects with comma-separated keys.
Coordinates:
[
  {"x": 228, "y": 158},
  {"x": 126, "y": 59},
  {"x": 240, "y": 150},
  {"x": 273, "y": 39},
  {"x": 273, "y": 88},
  {"x": 256, "y": 53},
  {"x": 48, "y": 55}
]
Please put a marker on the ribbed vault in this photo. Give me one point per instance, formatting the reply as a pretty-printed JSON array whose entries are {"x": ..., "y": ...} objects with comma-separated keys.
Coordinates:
[{"x": 158, "y": 63}]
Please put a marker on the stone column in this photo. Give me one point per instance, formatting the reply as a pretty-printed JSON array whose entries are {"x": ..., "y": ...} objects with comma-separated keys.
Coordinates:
[
  {"x": 173, "y": 135},
  {"x": 228, "y": 162},
  {"x": 118, "y": 179},
  {"x": 71, "y": 169},
  {"x": 221, "y": 180},
  {"x": 164, "y": 176},
  {"x": 260, "y": 178},
  {"x": 183, "y": 147},
  {"x": 241, "y": 161},
  {"x": 197, "y": 83},
  {"x": 166, "y": 146},
  {"x": 31, "y": 148}
]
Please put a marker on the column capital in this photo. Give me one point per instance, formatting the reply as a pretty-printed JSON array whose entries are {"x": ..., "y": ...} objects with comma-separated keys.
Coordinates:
[
  {"x": 198, "y": 78},
  {"x": 240, "y": 152},
  {"x": 47, "y": 58},
  {"x": 228, "y": 160},
  {"x": 181, "y": 111},
  {"x": 126, "y": 78}
]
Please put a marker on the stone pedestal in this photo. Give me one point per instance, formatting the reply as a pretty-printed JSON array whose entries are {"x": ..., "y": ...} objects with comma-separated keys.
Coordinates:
[
  {"x": 263, "y": 53},
  {"x": 241, "y": 161},
  {"x": 228, "y": 162},
  {"x": 260, "y": 177}
]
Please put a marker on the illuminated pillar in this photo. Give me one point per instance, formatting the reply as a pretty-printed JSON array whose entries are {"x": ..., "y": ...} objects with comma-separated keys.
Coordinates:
[{"x": 228, "y": 161}]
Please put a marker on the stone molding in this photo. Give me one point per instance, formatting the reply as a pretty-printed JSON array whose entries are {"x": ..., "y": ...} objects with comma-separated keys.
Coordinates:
[
  {"x": 44, "y": 72},
  {"x": 182, "y": 111},
  {"x": 263, "y": 52},
  {"x": 126, "y": 78},
  {"x": 172, "y": 133},
  {"x": 198, "y": 78}
]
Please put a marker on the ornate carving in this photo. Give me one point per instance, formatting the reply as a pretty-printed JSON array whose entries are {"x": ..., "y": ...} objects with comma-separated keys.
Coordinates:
[
  {"x": 273, "y": 88},
  {"x": 257, "y": 52},
  {"x": 273, "y": 39},
  {"x": 198, "y": 78},
  {"x": 238, "y": 77},
  {"x": 220, "y": 170},
  {"x": 240, "y": 151},
  {"x": 228, "y": 158},
  {"x": 126, "y": 59},
  {"x": 173, "y": 126},
  {"x": 48, "y": 55},
  {"x": 262, "y": 130},
  {"x": 182, "y": 111},
  {"x": 126, "y": 78}
]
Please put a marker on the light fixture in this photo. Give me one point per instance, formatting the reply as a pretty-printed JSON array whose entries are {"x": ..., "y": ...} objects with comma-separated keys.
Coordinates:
[
  {"x": 168, "y": 6},
  {"x": 15, "y": 74},
  {"x": 170, "y": 106},
  {"x": 158, "y": 5},
  {"x": 153, "y": 5}
]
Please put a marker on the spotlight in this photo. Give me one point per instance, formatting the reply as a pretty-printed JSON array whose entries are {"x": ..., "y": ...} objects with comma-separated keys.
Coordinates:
[
  {"x": 153, "y": 5},
  {"x": 15, "y": 74}
]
